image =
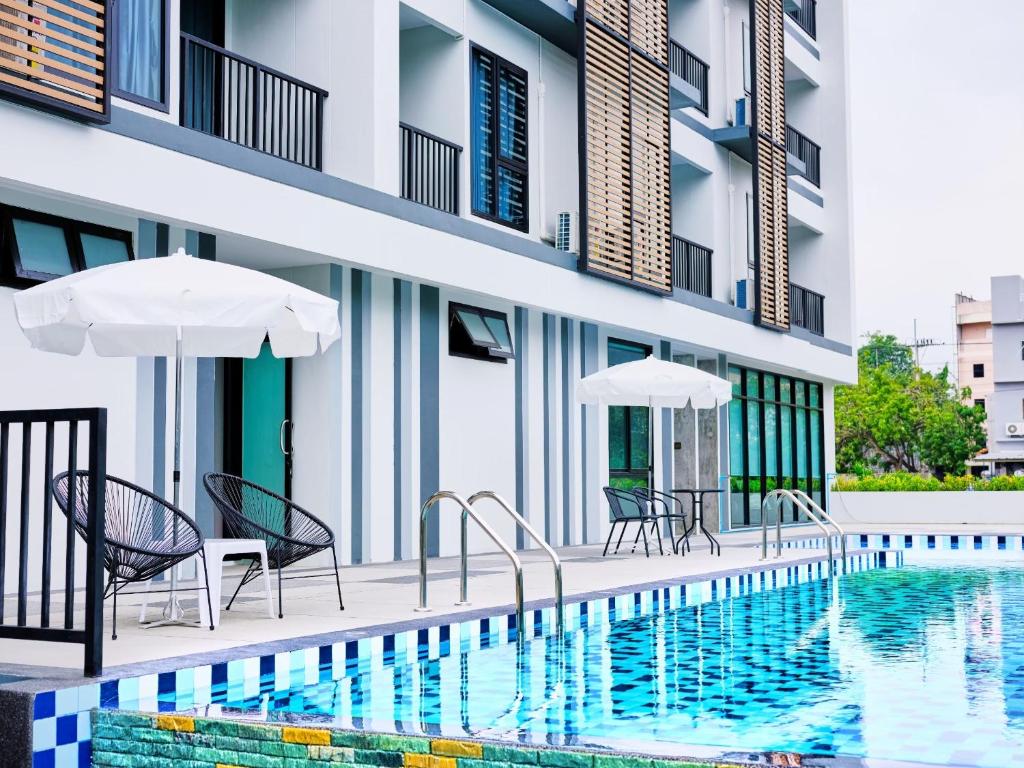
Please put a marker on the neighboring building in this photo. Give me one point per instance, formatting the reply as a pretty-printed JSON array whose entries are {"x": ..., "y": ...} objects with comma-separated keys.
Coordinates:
[
  {"x": 421, "y": 162},
  {"x": 974, "y": 348},
  {"x": 1005, "y": 402}
]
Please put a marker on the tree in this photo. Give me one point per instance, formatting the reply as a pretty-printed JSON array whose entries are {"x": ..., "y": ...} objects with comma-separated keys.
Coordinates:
[{"x": 900, "y": 417}]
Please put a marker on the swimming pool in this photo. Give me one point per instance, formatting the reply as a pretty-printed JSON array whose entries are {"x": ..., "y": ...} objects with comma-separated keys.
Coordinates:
[{"x": 923, "y": 663}]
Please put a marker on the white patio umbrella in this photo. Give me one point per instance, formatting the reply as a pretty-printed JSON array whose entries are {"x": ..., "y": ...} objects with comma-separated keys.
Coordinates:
[
  {"x": 656, "y": 384},
  {"x": 176, "y": 306}
]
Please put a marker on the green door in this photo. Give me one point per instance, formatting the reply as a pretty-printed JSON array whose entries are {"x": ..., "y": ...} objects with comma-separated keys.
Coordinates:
[{"x": 266, "y": 429}]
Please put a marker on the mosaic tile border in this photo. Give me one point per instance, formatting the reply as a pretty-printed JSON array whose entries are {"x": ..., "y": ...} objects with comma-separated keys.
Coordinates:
[
  {"x": 61, "y": 737},
  {"x": 945, "y": 542},
  {"x": 138, "y": 740}
]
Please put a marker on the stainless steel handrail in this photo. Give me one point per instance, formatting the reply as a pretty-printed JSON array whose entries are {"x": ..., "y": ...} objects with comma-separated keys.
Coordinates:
[
  {"x": 521, "y": 521},
  {"x": 467, "y": 510},
  {"x": 779, "y": 494},
  {"x": 828, "y": 519}
]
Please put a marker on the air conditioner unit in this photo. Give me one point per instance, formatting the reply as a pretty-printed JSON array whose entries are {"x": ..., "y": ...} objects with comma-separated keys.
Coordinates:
[
  {"x": 567, "y": 233},
  {"x": 744, "y": 298},
  {"x": 1015, "y": 429}
]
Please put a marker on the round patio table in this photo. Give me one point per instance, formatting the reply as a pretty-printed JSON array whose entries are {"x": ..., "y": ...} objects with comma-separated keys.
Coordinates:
[{"x": 697, "y": 494}]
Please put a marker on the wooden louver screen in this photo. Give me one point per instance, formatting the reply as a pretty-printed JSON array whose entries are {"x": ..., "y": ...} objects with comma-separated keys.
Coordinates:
[
  {"x": 770, "y": 185},
  {"x": 625, "y": 170},
  {"x": 54, "y": 53}
]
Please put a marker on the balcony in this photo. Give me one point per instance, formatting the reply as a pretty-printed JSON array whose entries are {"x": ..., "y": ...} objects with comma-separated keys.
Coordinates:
[
  {"x": 807, "y": 309},
  {"x": 244, "y": 102},
  {"x": 805, "y": 14},
  {"x": 689, "y": 79},
  {"x": 429, "y": 169},
  {"x": 53, "y": 56},
  {"x": 691, "y": 266},
  {"x": 803, "y": 156}
]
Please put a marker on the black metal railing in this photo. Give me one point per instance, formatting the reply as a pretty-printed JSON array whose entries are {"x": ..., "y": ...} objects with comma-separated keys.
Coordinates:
[
  {"x": 33, "y": 524},
  {"x": 805, "y": 150},
  {"x": 691, "y": 266},
  {"x": 692, "y": 70},
  {"x": 806, "y": 15},
  {"x": 241, "y": 100},
  {"x": 429, "y": 169},
  {"x": 807, "y": 309}
]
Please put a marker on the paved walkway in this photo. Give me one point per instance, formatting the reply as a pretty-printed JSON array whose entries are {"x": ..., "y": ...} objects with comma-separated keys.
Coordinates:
[{"x": 388, "y": 592}]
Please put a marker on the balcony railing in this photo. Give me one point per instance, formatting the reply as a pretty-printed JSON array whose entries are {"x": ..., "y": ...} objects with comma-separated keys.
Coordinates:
[
  {"x": 805, "y": 13},
  {"x": 807, "y": 309},
  {"x": 240, "y": 100},
  {"x": 429, "y": 169},
  {"x": 692, "y": 70},
  {"x": 691, "y": 266},
  {"x": 806, "y": 152}
]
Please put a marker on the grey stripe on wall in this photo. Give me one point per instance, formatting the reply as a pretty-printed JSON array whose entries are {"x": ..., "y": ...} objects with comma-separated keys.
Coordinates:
[
  {"x": 334, "y": 411},
  {"x": 203, "y": 245},
  {"x": 549, "y": 415},
  {"x": 361, "y": 284},
  {"x": 666, "y": 431},
  {"x": 430, "y": 382},
  {"x": 589, "y": 437},
  {"x": 402, "y": 419},
  {"x": 522, "y": 324},
  {"x": 153, "y": 242},
  {"x": 567, "y": 431}
]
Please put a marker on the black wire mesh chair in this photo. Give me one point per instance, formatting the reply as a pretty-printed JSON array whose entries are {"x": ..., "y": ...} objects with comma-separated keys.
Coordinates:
[
  {"x": 291, "y": 533},
  {"x": 627, "y": 508},
  {"x": 145, "y": 535},
  {"x": 673, "y": 511}
]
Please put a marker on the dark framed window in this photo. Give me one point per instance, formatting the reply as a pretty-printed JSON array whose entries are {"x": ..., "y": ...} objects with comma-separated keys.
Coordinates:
[
  {"x": 139, "y": 52},
  {"x": 481, "y": 334},
  {"x": 629, "y": 442},
  {"x": 36, "y": 247},
  {"x": 979, "y": 370},
  {"x": 776, "y": 440},
  {"x": 499, "y": 140}
]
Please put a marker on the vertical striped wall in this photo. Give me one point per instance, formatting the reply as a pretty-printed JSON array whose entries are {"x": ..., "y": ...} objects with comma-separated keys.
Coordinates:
[
  {"x": 402, "y": 431},
  {"x": 521, "y": 331},
  {"x": 361, "y": 427},
  {"x": 430, "y": 382},
  {"x": 589, "y": 441}
]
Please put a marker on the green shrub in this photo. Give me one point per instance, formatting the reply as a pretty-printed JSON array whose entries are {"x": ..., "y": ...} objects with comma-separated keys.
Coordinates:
[{"x": 906, "y": 481}]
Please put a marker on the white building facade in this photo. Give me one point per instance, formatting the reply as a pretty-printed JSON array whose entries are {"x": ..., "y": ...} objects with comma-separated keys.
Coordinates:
[{"x": 414, "y": 161}]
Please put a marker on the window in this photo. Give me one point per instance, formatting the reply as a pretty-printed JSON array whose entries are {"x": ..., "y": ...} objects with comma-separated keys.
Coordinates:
[
  {"x": 979, "y": 370},
  {"x": 35, "y": 247},
  {"x": 500, "y": 173},
  {"x": 479, "y": 333},
  {"x": 139, "y": 51},
  {"x": 629, "y": 455},
  {"x": 979, "y": 402},
  {"x": 776, "y": 440}
]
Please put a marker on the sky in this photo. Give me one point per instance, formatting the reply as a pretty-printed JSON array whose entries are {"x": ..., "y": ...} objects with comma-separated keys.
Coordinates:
[{"x": 937, "y": 138}]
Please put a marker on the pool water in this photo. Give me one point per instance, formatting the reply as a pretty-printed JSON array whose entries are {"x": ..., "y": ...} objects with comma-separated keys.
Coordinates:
[{"x": 923, "y": 663}]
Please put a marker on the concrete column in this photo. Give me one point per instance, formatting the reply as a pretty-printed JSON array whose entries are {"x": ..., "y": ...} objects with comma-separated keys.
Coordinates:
[
  {"x": 361, "y": 127},
  {"x": 707, "y": 451}
]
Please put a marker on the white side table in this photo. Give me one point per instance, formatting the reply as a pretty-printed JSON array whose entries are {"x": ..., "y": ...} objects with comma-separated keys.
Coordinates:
[{"x": 216, "y": 550}]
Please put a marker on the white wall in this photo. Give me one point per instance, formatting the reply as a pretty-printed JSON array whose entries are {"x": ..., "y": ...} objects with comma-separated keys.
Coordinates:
[{"x": 928, "y": 508}]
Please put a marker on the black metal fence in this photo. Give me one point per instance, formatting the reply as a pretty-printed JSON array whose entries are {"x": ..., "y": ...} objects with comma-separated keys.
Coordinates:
[
  {"x": 241, "y": 100},
  {"x": 809, "y": 153},
  {"x": 27, "y": 505},
  {"x": 807, "y": 309},
  {"x": 692, "y": 70},
  {"x": 430, "y": 169},
  {"x": 806, "y": 15},
  {"x": 691, "y": 266}
]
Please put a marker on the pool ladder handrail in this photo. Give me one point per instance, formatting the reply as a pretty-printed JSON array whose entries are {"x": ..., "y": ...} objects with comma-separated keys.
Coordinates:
[
  {"x": 778, "y": 494},
  {"x": 522, "y": 523},
  {"x": 841, "y": 532},
  {"x": 467, "y": 512}
]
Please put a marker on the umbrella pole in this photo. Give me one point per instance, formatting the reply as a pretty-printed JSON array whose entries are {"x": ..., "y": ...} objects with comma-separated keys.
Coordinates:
[{"x": 172, "y": 610}]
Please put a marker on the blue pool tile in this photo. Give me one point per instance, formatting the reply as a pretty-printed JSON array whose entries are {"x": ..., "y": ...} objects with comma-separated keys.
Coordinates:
[
  {"x": 44, "y": 758},
  {"x": 1001, "y": 542},
  {"x": 45, "y": 705},
  {"x": 885, "y": 540},
  {"x": 977, "y": 542},
  {"x": 67, "y": 729},
  {"x": 954, "y": 542},
  {"x": 931, "y": 542},
  {"x": 908, "y": 542}
]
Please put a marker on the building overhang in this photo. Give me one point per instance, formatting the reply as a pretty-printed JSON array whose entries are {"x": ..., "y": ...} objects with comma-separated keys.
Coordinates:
[{"x": 553, "y": 20}]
